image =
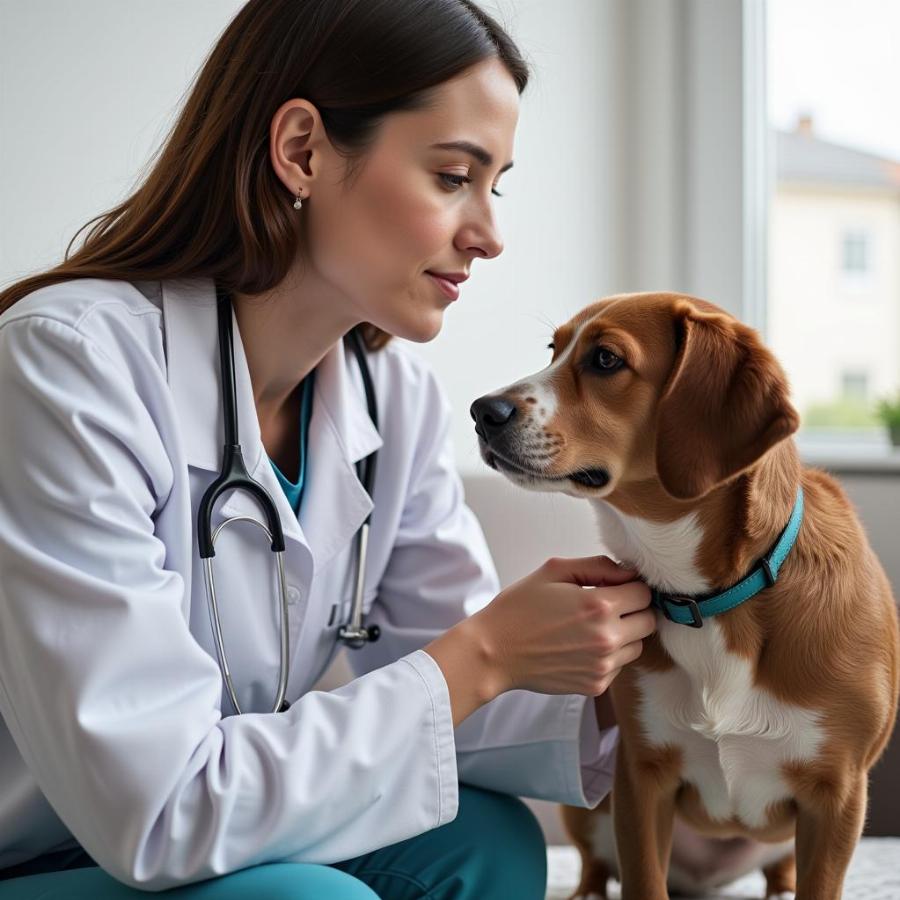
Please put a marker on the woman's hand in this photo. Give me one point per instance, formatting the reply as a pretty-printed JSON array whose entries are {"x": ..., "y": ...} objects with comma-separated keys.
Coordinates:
[{"x": 567, "y": 628}]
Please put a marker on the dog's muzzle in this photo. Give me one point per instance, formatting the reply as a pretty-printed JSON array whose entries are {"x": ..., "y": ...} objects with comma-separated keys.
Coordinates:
[{"x": 495, "y": 424}]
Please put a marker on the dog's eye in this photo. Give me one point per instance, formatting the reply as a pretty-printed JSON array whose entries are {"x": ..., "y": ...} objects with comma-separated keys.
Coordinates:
[
  {"x": 604, "y": 360},
  {"x": 551, "y": 346}
]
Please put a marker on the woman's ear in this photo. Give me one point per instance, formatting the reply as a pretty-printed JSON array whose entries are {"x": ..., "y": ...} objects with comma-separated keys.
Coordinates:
[
  {"x": 296, "y": 134},
  {"x": 724, "y": 405}
]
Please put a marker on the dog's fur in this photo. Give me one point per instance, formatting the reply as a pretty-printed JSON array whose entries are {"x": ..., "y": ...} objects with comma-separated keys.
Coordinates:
[{"x": 761, "y": 726}]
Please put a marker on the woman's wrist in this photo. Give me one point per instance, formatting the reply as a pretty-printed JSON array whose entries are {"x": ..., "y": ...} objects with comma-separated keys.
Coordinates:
[{"x": 469, "y": 662}]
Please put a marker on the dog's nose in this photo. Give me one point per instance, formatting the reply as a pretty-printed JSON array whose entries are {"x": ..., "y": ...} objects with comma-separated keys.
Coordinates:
[{"x": 492, "y": 415}]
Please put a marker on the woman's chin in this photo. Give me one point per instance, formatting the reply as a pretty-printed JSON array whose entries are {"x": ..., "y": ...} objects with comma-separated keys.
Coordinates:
[{"x": 423, "y": 330}]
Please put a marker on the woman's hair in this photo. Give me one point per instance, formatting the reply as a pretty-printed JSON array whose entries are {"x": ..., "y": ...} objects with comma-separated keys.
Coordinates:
[{"x": 212, "y": 204}]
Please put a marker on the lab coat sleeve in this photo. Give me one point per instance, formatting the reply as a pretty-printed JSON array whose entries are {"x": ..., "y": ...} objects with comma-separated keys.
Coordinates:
[
  {"x": 110, "y": 700},
  {"x": 533, "y": 745}
]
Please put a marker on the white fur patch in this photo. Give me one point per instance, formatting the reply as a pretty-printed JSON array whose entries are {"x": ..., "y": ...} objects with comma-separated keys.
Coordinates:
[
  {"x": 539, "y": 387},
  {"x": 734, "y": 736},
  {"x": 663, "y": 553},
  {"x": 544, "y": 410}
]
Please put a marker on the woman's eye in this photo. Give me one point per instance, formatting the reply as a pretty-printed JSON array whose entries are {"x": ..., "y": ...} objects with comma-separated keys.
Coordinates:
[
  {"x": 604, "y": 360},
  {"x": 457, "y": 181}
]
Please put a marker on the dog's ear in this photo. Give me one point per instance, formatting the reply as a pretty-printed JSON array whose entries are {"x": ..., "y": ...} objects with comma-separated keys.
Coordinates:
[{"x": 724, "y": 405}]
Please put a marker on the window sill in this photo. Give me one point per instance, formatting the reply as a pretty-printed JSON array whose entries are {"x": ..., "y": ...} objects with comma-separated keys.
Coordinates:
[{"x": 850, "y": 454}]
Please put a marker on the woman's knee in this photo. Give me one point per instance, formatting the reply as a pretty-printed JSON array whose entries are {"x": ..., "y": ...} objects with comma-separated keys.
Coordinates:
[
  {"x": 492, "y": 850},
  {"x": 506, "y": 844},
  {"x": 293, "y": 881}
]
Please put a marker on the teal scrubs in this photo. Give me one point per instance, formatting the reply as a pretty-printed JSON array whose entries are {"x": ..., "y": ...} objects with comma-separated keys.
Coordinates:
[
  {"x": 492, "y": 850},
  {"x": 294, "y": 489}
]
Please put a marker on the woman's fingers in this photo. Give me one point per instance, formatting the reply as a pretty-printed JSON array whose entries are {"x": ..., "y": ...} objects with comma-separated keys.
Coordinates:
[
  {"x": 638, "y": 625},
  {"x": 625, "y": 599},
  {"x": 621, "y": 658},
  {"x": 588, "y": 571},
  {"x": 628, "y": 632}
]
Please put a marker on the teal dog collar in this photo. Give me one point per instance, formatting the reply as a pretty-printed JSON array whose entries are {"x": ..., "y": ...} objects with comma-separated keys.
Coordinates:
[{"x": 692, "y": 611}]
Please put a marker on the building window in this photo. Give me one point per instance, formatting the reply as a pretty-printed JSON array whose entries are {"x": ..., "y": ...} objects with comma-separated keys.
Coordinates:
[
  {"x": 855, "y": 386},
  {"x": 855, "y": 256}
]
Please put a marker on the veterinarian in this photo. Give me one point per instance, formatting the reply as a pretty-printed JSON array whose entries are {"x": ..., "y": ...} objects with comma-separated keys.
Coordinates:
[{"x": 217, "y": 353}]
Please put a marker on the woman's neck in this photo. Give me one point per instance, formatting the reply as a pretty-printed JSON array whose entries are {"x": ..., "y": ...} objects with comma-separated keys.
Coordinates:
[{"x": 285, "y": 333}]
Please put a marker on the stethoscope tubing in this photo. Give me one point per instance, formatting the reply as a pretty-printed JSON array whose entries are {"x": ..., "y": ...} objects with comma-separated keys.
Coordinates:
[
  {"x": 215, "y": 621},
  {"x": 234, "y": 476}
]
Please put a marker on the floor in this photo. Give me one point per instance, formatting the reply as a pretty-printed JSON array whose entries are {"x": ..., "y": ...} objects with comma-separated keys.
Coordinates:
[{"x": 874, "y": 875}]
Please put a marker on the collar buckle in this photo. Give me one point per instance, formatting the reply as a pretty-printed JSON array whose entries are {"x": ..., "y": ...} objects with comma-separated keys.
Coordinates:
[
  {"x": 682, "y": 601},
  {"x": 765, "y": 565}
]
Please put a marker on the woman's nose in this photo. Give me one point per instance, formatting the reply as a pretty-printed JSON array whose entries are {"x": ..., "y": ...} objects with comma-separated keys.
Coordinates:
[
  {"x": 482, "y": 237},
  {"x": 493, "y": 246}
]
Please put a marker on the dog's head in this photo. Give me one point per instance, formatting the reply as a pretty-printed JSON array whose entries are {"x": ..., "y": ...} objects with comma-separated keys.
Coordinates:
[{"x": 640, "y": 386}]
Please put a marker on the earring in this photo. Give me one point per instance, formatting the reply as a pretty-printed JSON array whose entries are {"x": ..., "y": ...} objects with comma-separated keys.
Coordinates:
[{"x": 299, "y": 201}]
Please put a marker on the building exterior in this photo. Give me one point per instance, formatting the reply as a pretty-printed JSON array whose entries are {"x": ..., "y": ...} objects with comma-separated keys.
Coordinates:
[{"x": 834, "y": 276}]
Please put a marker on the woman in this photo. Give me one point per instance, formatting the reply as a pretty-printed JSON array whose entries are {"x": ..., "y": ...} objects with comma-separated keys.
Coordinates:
[{"x": 335, "y": 158}]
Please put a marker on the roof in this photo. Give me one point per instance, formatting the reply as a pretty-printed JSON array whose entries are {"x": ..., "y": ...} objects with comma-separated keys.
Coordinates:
[{"x": 801, "y": 157}]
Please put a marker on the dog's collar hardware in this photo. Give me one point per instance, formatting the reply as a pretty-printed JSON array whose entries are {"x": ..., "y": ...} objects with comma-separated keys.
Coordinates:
[
  {"x": 695, "y": 619},
  {"x": 692, "y": 611}
]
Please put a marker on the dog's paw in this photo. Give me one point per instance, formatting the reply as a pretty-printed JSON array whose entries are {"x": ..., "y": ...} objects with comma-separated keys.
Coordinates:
[{"x": 784, "y": 895}]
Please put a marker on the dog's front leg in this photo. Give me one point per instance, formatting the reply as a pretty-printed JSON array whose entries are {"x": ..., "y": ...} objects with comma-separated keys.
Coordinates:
[
  {"x": 829, "y": 825},
  {"x": 643, "y": 813}
]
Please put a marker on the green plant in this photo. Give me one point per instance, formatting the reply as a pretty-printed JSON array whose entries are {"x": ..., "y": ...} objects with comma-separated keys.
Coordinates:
[{"x": 889, "y": 410}]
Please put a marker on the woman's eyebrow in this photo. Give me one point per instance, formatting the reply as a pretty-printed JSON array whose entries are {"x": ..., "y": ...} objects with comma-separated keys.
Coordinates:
[{"x": 479, "y": 153}]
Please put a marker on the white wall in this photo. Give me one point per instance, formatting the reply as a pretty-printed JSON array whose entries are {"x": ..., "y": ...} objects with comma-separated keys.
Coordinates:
[{"x": 88, "y": 91}]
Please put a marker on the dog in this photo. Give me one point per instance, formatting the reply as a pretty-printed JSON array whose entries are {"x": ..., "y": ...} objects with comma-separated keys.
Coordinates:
[{"x": 746, "y": 729}]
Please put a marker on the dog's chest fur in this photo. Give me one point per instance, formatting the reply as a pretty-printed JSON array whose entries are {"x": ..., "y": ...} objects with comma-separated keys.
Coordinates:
[{"x": 734, "y": 737}]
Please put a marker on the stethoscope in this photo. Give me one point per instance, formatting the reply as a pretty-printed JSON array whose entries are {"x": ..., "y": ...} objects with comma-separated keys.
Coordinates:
[{"x": 234, "y": 476}]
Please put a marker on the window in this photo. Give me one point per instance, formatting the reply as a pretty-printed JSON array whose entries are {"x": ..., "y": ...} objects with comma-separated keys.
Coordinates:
[
  {"x": 833, "y": 308},
  {"x": 855, "y": 386},
  {"x": 855, "y": 255}
]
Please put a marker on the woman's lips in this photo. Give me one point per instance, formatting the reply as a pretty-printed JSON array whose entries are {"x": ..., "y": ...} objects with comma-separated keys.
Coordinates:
[{"x": 450, "y": 289}]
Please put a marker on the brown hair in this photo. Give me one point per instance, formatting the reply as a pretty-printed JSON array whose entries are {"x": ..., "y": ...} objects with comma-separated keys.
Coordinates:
[{"x": 211, "y": 204}]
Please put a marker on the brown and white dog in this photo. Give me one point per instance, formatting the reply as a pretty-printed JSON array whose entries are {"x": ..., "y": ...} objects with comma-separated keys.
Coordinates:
[{"x": 748, "y": 739}]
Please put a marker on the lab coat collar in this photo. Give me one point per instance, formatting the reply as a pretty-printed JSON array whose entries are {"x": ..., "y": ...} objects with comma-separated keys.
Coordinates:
[{"x": 340, "y": 430}]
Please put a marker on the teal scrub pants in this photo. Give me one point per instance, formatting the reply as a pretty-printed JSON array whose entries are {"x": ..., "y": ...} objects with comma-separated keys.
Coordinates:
[{"x": 492, "y": 850}]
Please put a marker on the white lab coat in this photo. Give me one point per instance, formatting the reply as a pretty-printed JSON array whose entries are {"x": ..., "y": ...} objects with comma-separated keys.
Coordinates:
[{"x": 115, "y": 731}]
